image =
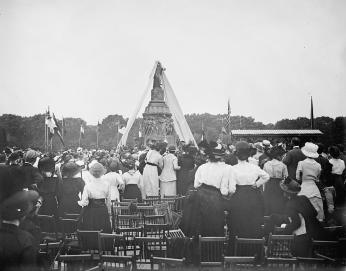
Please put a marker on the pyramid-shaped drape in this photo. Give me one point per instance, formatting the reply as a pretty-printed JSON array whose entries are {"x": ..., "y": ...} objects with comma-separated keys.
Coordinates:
[{"x": 180, "y": 125}]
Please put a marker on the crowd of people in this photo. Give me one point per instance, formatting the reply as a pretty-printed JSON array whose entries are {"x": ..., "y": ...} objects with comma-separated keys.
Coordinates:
[{"x": 300, "y": 189}]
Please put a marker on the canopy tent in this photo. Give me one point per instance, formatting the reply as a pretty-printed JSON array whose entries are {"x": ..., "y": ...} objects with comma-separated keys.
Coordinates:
[{"x": 180, "y": 125}]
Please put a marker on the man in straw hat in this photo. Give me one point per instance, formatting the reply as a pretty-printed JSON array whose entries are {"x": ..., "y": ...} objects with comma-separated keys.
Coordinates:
[{"x": 17, "y": 247}]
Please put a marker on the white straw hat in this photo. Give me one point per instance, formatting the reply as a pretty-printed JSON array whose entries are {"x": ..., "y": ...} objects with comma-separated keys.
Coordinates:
[{"x": 310, "y": 150}]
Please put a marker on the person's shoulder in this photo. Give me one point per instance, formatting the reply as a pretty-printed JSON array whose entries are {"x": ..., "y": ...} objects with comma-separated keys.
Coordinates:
[{"x": 25, "y": 238}]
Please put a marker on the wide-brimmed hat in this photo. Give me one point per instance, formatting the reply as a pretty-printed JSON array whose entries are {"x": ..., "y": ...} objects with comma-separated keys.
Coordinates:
[
  {"x": 46, "y": 164},
  {"x": 266, "y": 144},
  {"x": 97, "y": 170},
  {"x": 217, "y": 149},
  {"x": 70, "y": 169},
  {"x": 310, "y": 150},
  {"x": 258, "y": 146},
  {"x": 290, "y": 186}
]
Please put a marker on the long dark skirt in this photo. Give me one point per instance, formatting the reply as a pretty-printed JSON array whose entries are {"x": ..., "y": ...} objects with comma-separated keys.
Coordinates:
[
  {"x": 132, "y": 192},
  {"x": 246, "y": 212},
  {"x": 338, "y": 183},
  {"x": 95, "y": 217},
  {"x": 203, "y": 213},
  {"x": 273, "y": 197}
]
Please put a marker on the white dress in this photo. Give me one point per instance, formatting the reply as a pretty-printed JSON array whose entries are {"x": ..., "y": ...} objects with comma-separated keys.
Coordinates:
[{"x": 150, "y": 173}]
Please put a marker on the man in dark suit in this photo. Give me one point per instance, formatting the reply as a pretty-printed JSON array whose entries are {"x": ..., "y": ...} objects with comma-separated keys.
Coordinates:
[
  {"x": 18, "y": 249},
  {"x": 293, "y": 157}
]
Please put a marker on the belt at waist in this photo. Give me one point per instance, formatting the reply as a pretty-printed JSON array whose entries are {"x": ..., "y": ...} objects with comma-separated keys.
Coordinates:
[
  {"x": 151, "y": 164},
  {"x": 209, "y": 187},
  {"x": 97, "y": 202}
]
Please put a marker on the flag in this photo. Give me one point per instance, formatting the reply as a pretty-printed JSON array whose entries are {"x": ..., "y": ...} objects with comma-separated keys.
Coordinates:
[
  {"x": 228, "y": 117},
  {"x": 312, "y": 124},
  {"x": 57, "y": 130},
  {"x": 223, "y": 130},
  {"x": 50, "y": 125},
  {"x": 81, "y": 132}
]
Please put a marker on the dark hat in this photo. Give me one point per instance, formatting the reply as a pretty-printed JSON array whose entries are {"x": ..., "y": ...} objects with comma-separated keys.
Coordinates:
[
  {"x": 242, "y": 150},
  {"x": 290, "y": 186},
  {"x": 171, "y": 148},
  {"x": 14, "y": 156},
  {"x": 30, "y": 155},
  {"x": 46, "y": 164},
  {"x": 70, "y": 169},
  {"x": 276, "y": 151},
  {"x": 14, "y": 201},
  {"x": 216, "y": 149},
  {"x": 203, "y": 144}
]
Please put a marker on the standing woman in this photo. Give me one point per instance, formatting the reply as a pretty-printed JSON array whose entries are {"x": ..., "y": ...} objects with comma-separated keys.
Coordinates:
[
  {"x": 70, "y": 189},
  {"x": 246, "y": 205},
  {"x": 274, "y": 200},
  {"x": 338, "y": 170},
  {"x": 308, "y": 173},
  {"x": 96, "y": 201},
  {"x": 185, "y": 176},
  {"x": 48, "y": 189},
  {"x": 203, "y": 212},
  {"x": 133, "y": 182},
  {"x": 154, "y": 164}
]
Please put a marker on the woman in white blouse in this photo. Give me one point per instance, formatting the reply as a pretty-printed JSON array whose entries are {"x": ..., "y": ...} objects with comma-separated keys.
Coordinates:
[
  {"x": 204, "y": 212},
  {"x": 133, "y": 182},
  {"x": 246, "y": 205},
  {"x": 338, "y": 170},
  {"x": 96, "y": 201}
]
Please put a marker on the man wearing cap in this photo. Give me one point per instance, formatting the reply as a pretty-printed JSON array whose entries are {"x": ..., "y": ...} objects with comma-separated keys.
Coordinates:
[
  {"x": 292, "y": 158},
  {"x": 32, "y": 174},
  {"x": 168, "y": 175},
  {"x": 17, "y": 247}
]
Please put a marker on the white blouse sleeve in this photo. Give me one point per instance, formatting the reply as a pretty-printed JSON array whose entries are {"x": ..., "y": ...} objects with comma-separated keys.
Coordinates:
[
  {"x": 85, "y": 197},
  {"x": 264, "y": 177}
]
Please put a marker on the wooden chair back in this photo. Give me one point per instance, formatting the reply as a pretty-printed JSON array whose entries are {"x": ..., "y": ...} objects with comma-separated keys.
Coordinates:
[
  {"x": 69, "y": 228},
  {"x": 75, "y": 262},
  {"x": 280, "y": 246},
  {"x": 249, "y": 247},
  {"x": 147, "y": 247},
  {"x": 110, "y": 244},
  {"x": 211, "y": 249},
  {"x": 48, "y": 225},
  {"x": 121, "y": 210},
  {"x": 71, "y": 216},
  {"x": 175, "y": 234},
  {"x": 238, "y": 262},
  {"x": 154, "y": 219},
  {"x": 156, "y": 230},
  {"x": 127, "y": 221}
]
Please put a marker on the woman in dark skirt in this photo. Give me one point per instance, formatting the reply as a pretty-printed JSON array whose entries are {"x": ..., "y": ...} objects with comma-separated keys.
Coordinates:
[
  {"x": 274, "y": 200},
  {"x": 203, "y": 212},
  {"x": 95, "y": 202},
  {"x": 70, "y": 189},
  {"x": 185, "y": 176},
  {"x": 246, "y": 205},
  {"x": 48, "y": 189},
  {"x": 133, "y": 182}
]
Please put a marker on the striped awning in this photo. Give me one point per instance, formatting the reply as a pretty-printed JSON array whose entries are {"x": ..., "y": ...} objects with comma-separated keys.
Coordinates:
[{"x": 300, "y": 132}]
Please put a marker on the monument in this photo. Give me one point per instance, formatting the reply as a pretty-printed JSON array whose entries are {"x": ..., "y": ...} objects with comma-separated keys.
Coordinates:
[{"x": 157, "y": 118}]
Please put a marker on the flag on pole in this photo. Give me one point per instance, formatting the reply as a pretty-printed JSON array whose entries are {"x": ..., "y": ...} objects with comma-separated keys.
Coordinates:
[
  {"x": 312, "y": 124},
  {"x": 50, "y": 125},
  {"x": 57, "y": 130},
  {"x": 81, "y": 130}
]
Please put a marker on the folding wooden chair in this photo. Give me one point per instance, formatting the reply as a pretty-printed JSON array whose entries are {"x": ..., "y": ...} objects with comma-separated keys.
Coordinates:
[
  {"x": 122, "y": 210},
  {"x": 48, "y": 225},
  {"x": 127, "y": 221},
  {"x": 146, "y": 210},
  {"x": 151, "y": 200},
  {"x": 327, "y": 250},
  {"x": 170, "y": 197},
  {"x": 147, "y": 247},
  {"x": 279, "y": 252},
  {"x": 154, "y": 219},
  {"x": 48, "y": 254},
  {"x": 211, "y": 250},
  {"x": 130, "y": 200},
  {"x": 88, "y": 241},
  {"x": 71, "y": 216},
  {"x": 175, "y": 234},
  {"x": 76, "y": 262},
  {"x": 179, "y": 204},
  {"x": 110, "y": 245},
  {"x": 167, "y": 263},
  {"x": 156, "y": 230},
  {"x": 129, "y": 235},
  {"x": 249, "y": 247}
]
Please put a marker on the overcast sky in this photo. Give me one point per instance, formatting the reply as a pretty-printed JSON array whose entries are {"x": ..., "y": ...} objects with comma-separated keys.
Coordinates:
[{"x": 92, "y": 58}]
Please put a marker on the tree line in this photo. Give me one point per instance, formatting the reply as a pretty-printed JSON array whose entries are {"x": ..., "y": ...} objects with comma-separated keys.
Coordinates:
[{"x": 27, "y": 132}]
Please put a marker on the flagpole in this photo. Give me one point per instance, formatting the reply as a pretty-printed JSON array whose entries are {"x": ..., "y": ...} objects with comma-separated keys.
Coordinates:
[
  {"x": 45, "y": 133},
  {"x": 97, "y": 139},
  {"x": 80, "y": 136}
]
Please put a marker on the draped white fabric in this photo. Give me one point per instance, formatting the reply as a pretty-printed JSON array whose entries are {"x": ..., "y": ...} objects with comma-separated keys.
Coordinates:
[
  {"x": 136, "y": 111},
  {"x": 180, "y": 125}
]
